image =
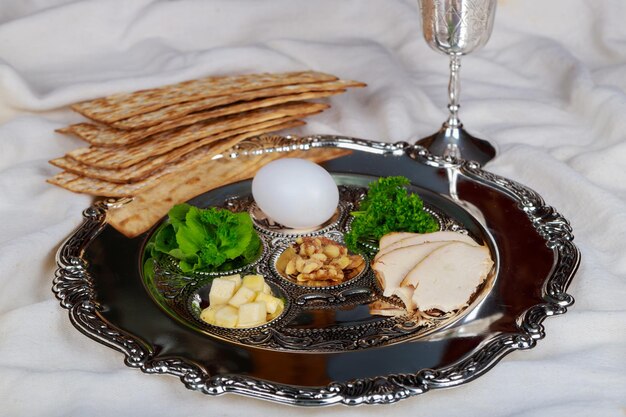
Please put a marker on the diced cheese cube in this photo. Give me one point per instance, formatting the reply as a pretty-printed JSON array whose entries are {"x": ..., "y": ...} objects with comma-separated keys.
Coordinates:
[
  {"x": 226, "y": 316},
  {"x": 280, "y": 307},
  {"x": 254, "y": 282},
  {"x": 221, "y": 291},
  {"x": 236, "y": 279},
  {"x": 252, "y": 314},
  {"x": 267, "y": 289},
  {"x": 208, "y": 314},
  {"x": 242, "y": 296},
  {"x": 271, "y": 303}
]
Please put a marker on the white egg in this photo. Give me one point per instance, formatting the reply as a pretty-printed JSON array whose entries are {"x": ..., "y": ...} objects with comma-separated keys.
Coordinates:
[{"x": 295, "y": 192}]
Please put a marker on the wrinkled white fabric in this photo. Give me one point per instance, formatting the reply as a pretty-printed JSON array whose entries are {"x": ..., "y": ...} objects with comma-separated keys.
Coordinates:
[{"x": 549, "y": 89}]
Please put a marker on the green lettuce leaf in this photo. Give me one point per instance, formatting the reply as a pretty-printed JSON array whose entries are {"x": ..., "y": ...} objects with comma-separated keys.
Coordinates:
[
  {"x": 207, "y": 239},
  {"x": 165, "y": 240}
]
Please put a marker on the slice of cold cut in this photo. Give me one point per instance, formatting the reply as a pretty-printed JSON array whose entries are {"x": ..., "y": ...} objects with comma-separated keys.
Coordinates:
[
  {"x": 448, "y": 276},
  {"x": 406, "y": 295},
  {"x": 392, "y": 267},
  {"x": 383, "y": 308},
  {"x": 409, "y": 239},
  {"x": 393, "y": 237}
]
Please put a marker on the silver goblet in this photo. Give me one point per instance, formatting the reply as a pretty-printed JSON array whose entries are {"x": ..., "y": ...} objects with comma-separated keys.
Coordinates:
[{"x": 456, "y": 28}]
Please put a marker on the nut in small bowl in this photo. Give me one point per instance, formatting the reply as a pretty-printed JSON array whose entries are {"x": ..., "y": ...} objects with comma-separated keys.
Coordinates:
[{"x": 318, "y": 262}]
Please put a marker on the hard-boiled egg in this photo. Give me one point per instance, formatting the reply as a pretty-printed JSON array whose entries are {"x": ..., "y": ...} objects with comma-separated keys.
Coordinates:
[{"x": 295, "y": 192}]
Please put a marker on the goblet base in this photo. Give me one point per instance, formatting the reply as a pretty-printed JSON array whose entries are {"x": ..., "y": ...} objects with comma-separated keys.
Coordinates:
[{"x": 456, "y": 142}]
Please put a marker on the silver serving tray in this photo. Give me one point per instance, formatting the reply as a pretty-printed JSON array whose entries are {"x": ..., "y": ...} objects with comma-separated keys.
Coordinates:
[{"x": 327, "y": 349}]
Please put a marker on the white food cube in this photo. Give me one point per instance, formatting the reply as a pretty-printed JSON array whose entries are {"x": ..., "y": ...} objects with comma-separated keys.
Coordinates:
[
  {"x": 252, "y": 314},
  {"x": 254, "y": 282},
  {"x": 221, "y": 291},
  {"x": 226, "y": 316},
  {"x": 280, "y": 307},
  {"x": 271, "y": 303},
  {"x": 208, "y": 314},
  {"x": 242, "y": 296},
  {"x": 267, "y": 289},
  {"x": 236, "y": 279}
]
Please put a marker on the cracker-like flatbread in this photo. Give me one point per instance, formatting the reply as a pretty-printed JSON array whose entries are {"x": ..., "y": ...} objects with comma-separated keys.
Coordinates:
[
  {"x": 85, "y": 185},
  {"x": 180, "y": 110},
  {"x": 102, "y": 135},
  {"x": 124, "y": 105},
  {"x": 98, "y": 187},
  {"x": 122, "y": 157},
  {"x": 94, "y": 186},
  {"x": 149, "y": 206},
  {"x": 145, "y": 168}
]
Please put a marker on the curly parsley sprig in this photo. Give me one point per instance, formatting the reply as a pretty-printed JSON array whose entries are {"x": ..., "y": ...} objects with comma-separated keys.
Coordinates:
[{"x": 388, "y": 207}]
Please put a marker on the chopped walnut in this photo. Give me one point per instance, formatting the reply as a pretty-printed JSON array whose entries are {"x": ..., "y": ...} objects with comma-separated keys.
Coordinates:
[{"x": 321, "y": 261}]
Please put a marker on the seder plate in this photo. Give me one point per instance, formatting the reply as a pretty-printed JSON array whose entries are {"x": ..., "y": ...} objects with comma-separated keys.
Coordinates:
[{"x": 326, "y": 348}]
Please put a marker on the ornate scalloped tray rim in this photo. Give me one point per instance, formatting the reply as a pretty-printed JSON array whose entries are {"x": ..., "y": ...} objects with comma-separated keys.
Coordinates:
[{"x": 73, "y": 286}]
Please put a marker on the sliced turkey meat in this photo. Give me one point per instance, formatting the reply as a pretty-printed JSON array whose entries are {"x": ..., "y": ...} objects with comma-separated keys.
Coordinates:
[
  {"x": 406, "y": 295},
  {"x": 392, "y": 267},
  {"x": 448, "y": 276},
  {"x": 409, "y": 239},
  {"x": 393, "y": 237}
]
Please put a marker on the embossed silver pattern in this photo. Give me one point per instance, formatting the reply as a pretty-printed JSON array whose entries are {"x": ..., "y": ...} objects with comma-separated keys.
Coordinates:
[
  {"x": 457, "y": 27},
  {"x": 73, "y": 286}
]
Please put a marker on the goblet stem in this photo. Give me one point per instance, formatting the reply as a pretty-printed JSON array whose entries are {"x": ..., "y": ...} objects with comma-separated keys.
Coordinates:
[{"x": 454, "y": 90}]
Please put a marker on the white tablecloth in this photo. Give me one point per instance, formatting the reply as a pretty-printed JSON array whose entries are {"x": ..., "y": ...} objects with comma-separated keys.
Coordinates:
[{"x": 549, "y": 89}]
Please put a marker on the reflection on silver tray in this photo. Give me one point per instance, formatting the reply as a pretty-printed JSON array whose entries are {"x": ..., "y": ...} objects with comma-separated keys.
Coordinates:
[{"x": 97, "y": 281}]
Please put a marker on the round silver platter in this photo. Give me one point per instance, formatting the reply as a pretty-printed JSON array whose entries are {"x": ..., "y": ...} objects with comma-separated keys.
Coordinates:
[{"x": 326, "y": 347}]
